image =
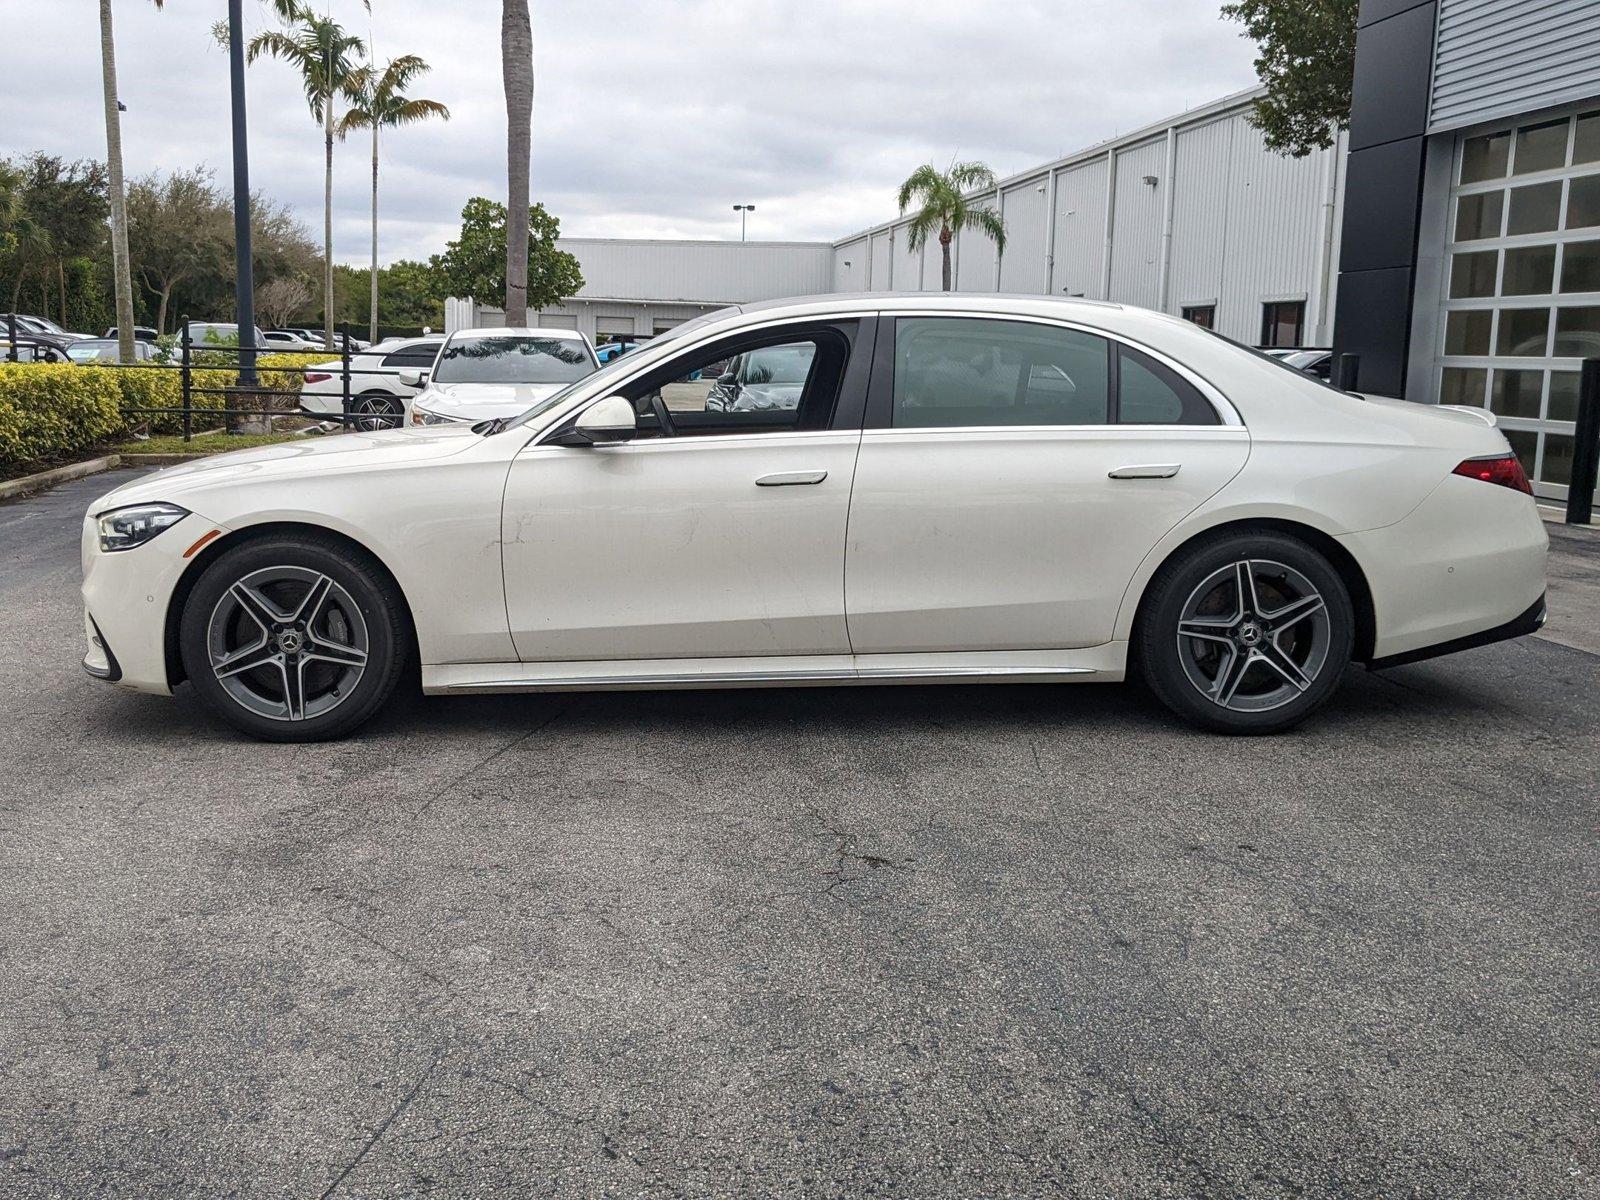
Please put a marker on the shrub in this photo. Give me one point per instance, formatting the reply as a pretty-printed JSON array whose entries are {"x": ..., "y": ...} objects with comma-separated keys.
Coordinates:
[{"x": 51, "y": 409}]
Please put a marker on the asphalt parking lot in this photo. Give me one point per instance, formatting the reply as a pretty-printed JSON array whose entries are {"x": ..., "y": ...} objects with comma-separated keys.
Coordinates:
[{"x": 906, "y": 941}]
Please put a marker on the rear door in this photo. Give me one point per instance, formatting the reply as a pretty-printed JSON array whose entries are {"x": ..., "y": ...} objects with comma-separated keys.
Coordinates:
[{"x": 1012, "y": 476}]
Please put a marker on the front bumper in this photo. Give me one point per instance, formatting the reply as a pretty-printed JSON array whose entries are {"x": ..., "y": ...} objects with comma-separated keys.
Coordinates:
[{"x": 127, "y": 596}]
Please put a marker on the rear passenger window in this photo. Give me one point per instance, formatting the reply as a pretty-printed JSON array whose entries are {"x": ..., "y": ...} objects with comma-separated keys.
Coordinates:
[
  {"x": 964, "y": 371},
  {"x": 1152, "y": 393}
]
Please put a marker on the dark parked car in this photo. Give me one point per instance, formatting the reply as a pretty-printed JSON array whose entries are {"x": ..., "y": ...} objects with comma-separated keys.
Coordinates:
[{"x": 32, "y": 349}]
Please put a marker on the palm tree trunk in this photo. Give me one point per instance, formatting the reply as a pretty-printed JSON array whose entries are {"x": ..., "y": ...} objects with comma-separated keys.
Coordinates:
[
  {"x": 372, "y": 329},
  {"x": 516, "y": 65},
  {"x": 122, "y": 277},
  {"x": 945, "y": 237},
  {"x": 327, "y": 222}
]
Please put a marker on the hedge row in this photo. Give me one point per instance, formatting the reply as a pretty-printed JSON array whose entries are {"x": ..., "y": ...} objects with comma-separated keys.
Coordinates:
[{"x": 48, "y": 410}]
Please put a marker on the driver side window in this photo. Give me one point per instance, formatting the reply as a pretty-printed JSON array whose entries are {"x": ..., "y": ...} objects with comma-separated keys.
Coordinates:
[{"x": 779, "y": 382}]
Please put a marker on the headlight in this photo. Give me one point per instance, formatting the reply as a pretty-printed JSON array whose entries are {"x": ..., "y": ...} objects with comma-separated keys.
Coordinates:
[
  {"x": 125, "y": 528},
  {"x": 421, "y": 416}
]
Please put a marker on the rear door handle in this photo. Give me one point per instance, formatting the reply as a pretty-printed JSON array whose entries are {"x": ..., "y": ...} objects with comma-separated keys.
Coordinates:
[
  {"x": 791, "y": 478},
  {"x": 1147, "y": 471}
]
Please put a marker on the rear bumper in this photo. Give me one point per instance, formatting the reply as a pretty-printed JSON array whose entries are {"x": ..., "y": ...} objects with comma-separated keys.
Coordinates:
[{"x": 1529, "y": 622}]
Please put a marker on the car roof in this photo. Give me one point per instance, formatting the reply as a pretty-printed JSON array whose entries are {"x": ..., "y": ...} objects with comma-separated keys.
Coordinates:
[{"x": 521, "y": 331}]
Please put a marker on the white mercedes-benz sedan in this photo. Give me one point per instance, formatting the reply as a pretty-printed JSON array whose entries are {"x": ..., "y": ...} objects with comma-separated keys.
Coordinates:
[
  {"x": 485, "y": 374},
  {"x": 966, "y": 488}
]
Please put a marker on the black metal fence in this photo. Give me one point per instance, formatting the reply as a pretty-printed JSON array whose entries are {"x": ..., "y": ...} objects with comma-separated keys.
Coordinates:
[{"x": 254, "y": 400}]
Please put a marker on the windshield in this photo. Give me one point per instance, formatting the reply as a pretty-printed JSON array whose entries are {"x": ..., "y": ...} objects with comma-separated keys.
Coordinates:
[
  {"x": 513, "y": 359},
  {"x": 1282, "y": 365},
  {"x": 89, "y": 351}
]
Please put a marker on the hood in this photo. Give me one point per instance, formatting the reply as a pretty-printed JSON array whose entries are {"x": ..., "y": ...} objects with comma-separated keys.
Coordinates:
[
  {"x": 480, "y": 401},
  {"x": 341, "y": 452}
]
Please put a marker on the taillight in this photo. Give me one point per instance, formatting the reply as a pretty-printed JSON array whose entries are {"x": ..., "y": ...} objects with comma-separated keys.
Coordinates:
[
  {"x": 1503, "y": 469},
  {"x": 317, "y": 377}
]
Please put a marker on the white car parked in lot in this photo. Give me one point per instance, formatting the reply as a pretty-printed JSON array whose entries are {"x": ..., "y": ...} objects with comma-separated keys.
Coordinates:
[
  {"x": 378, "y": 382},
  {"x": 968, "y": 488},
  {"x": 482, "y": 374}
]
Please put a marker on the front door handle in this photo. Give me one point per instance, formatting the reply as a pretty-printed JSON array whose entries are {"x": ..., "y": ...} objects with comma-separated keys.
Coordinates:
[
  {"x": 1147, "y": 471},
  {"x": 791, "y": 478}
]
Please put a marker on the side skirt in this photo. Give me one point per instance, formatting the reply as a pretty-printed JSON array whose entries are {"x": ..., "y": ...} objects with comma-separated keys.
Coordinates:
[{"x": 1101, "y": 664}]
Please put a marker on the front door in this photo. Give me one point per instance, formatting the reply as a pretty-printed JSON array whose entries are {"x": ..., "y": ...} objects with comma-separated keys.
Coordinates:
[
  {"x": 718, "y": 532},
  {"x": 1012, "y": 481}
]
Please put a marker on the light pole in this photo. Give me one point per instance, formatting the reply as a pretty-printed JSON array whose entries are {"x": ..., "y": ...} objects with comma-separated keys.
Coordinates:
[
  {"x": 243, "y": 283},
  {"x": 743, "y": 210}
]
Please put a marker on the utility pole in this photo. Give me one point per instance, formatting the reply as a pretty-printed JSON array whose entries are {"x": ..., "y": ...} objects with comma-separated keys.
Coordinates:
[{"x": 243, "y": 275}]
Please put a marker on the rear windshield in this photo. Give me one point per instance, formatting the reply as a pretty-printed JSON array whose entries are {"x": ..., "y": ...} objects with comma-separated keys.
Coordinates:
[{"x": 513, "y": 360}]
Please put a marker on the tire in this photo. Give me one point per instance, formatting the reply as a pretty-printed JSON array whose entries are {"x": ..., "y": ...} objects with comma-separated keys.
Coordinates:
[
  {"x": 1252, "y": 669},
  {"x": 255, "y": 639},
  {"x": 376, "y": 411}
]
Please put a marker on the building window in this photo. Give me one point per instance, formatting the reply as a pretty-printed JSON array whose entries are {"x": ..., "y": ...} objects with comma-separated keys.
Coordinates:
[
  {"x": 1283, "y": 324},
  {"x": 1203, "y": 315}
]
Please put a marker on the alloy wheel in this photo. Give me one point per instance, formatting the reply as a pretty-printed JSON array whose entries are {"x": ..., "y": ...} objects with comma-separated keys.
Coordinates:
[
  {"x": 374, "y": 413},
  {"x": 287, "y": 643},
  {"x": 1253, "y": 635}
]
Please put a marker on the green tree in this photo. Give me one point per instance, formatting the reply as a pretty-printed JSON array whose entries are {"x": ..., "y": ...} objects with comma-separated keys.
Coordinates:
[
  {"x": 66, "y": 206},
  {"x": 380, "y": 103},
  {"x": 943, "y": 205},
  {"x": 409, "y": 294},
  {"x": 516, "y": 71},
  {"x": 179, "y": 229},
  {"x": 475, "y": 263},
  {"x": 122, "y": 274},
  {"x": 326, "y": 59},
  {"x": 1307, "y": 61}
]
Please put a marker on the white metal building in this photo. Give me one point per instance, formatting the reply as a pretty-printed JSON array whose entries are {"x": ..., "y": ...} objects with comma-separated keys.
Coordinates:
[{"x": 1192, "y": 215}]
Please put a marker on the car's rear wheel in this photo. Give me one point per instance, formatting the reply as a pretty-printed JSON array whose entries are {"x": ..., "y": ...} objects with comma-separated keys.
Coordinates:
[
  {"x": 376, "y": 410},
  {"x": 294, "y": 639},
  {"x": 1246, "y": 632}
]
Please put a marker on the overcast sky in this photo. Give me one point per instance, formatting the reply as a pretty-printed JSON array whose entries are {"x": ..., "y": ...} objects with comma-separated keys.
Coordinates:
[{"x": 651, "y": 117}]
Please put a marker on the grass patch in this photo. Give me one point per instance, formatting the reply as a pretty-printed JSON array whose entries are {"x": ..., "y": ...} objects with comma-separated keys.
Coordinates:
[{"x": 219, "y": 443}]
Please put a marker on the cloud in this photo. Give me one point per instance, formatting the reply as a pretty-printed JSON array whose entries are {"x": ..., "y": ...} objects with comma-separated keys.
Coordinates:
[{"x": 650, "y": 118}]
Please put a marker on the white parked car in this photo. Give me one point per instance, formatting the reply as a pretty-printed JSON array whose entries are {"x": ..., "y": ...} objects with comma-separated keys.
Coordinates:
[
  {"x": 286, "y": 339},
  {"x": 482, "y": 374},
  {"x": 968, "y": 488},
  {"x": 379, "y": 386}
]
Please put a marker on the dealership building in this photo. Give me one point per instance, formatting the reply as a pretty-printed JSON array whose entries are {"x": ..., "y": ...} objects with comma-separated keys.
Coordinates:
[{"x": 1447, "y": 247}]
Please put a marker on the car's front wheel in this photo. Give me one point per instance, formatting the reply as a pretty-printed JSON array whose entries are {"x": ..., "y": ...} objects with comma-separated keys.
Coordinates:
[
  {"x": 1246, "y": 632},
  {"x": 295, "y": 638}
]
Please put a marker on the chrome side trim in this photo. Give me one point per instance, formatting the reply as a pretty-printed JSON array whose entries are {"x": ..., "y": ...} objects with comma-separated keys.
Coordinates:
[{"x": 712, "y": 680}]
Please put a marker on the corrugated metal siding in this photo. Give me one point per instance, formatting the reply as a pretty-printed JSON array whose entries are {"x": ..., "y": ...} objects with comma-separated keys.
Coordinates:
[
  {"x": 1273, "y": 232},
  {"x": 1200, "y": 214},
  {"x": 975, "y": 262},
  {"x": 717, "y": 272},
  {"x": 850, "y": 266},
  {"x": 907, "y": 275},
  {"x": 1495, "y": 58},
  {"x": 1136, "y": 228},
  {"x": 1080, "y": 230},
  {"x": 1027, "y": 222},
  {"x": 878, "y": 280}
]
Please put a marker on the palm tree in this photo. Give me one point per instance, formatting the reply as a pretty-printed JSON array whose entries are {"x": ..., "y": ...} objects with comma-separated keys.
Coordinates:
[
  {"x": 380, "y": 101},
  {"x": 327, "y": 59},
  {"x": 945, "y": 206},
  {"x": 516, "y": 69},
  {"x": 122, "y": 275}
]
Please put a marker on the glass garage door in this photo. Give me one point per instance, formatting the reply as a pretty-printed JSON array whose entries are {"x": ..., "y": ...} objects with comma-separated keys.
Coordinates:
[{"x": 1522, "y": 289}]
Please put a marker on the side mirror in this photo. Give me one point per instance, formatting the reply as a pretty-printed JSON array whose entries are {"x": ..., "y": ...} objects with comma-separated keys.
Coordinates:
[
  {"x": 608, "y": 420},
  {"x": 414, "y": 379},
  {"x": 727, "y": 379}
]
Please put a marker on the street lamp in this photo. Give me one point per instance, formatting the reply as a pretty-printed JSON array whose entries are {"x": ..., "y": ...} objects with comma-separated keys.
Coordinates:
[{"x": 743, "y": 210}]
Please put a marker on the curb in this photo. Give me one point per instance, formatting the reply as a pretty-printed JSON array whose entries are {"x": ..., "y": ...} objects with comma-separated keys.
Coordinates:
[
  {"x": 46, "y": 479},
  {"x": 161, "y": 460}
]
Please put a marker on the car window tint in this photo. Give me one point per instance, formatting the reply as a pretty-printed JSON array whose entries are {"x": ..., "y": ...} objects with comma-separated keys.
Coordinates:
[
  {"x": 964, "y": 371},
  {"x": 415, "y": 355},
  {"x": 1152, "y": 393},
  {"x": 784, "y": 383}
]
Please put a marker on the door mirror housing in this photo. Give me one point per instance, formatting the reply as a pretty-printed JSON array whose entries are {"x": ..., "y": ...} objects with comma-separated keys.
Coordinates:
[
  {"x": 414, "y": 379},
  {"x": 608, "y": 420}
]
